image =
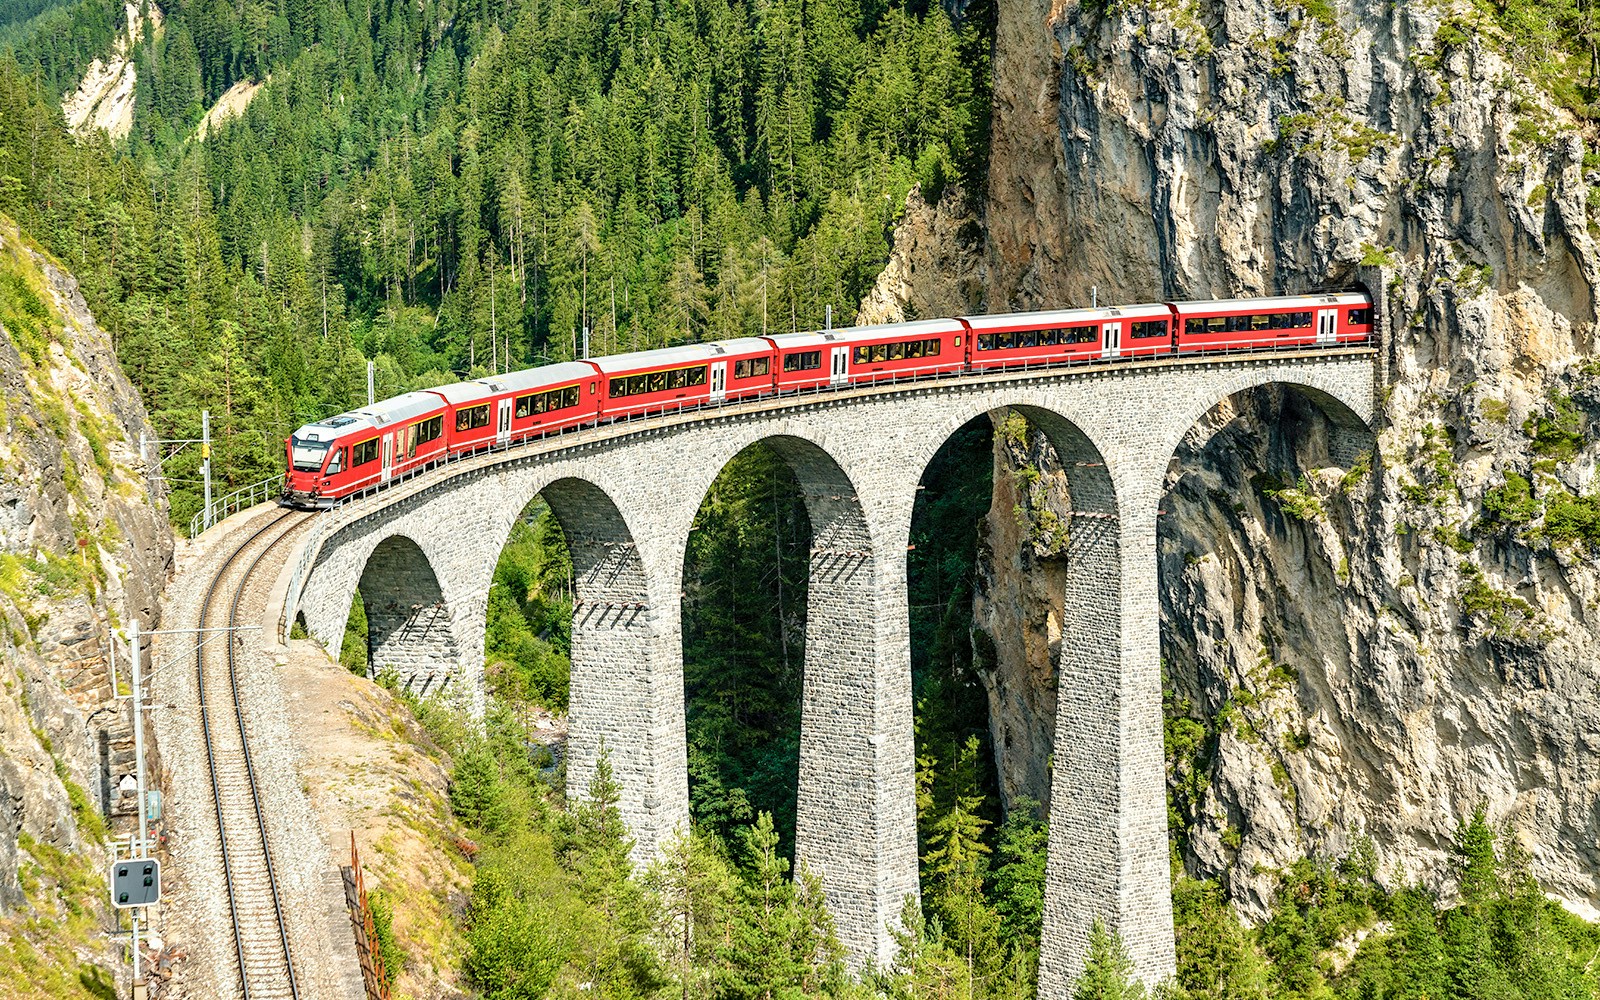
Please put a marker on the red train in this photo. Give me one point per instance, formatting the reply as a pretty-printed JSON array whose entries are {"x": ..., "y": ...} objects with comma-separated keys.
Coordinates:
[{"x": 334, "y": 458}]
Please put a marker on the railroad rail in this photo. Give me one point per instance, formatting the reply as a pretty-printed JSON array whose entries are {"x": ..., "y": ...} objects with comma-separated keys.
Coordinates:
[{"x": 260, "y": 935}]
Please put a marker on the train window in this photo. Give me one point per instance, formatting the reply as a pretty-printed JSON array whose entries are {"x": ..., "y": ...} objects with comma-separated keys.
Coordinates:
[
  {"x": 1083, "y": 335},
  {"x": 930, "y": 348},
  {"x": 1360, "y": 317},
  {"x": 1302, "y": 320},
  {"x": 366, "y": 451},
  {"x": 1027, "y": 338},
  {"x": 859, "y": 356},
  {"x": 752, "y": 368},
  {"x": 1148, "y": 329},
  {"x": 569, "y": 396},
  {"x": 697, "y": 376},
  {"x": 1049, "y": 338},
  {"x": 336, "y": 463},
  {"x": 430, "y": 429},
  {"x": 472, "y": 417},
  {"x": 880, "y": 352},
  {"x": 802, "y": 361},
  {"x": 1005, "y": 341},
  {"x": 638, "y": 384},
  {"x": 985, "y": 341},
  {"x": 1192, "y": 326},
  {"x": 914, "y": 348},
  {"x": 524, "y": 407},
  {"x": 895, "y": 352},
  {"x": 408, "y": 443}
]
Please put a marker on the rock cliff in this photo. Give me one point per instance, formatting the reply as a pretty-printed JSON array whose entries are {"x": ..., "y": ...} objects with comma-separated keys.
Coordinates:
[
  {"x": 1365, "y": 648},
  {"x": 84, "y": 548}
]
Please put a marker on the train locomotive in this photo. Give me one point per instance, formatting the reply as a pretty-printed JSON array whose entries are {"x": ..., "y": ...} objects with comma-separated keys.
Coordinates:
[{"x": 367, "y": 448}]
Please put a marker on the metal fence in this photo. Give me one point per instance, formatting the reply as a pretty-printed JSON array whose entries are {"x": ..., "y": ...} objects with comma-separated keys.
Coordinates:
[{"x": 239, "y": 499}]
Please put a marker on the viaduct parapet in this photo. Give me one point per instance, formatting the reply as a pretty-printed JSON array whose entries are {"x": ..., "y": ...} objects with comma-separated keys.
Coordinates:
[{"x": 424, "y": 552}]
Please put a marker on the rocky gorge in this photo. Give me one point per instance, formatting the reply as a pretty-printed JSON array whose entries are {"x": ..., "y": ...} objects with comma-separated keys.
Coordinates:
[{"x": 1361, "y": 651}]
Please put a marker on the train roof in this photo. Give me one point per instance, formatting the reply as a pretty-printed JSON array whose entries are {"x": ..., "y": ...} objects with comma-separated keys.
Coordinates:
[
  {"x": 560, "y": 373},
  {"x": 856, "y": 334},
  {"x": 1274, "y": 302},
  {"x": 683, "y": 354},
  {"x": 379, "y": 414},
  {"x": 1066, "y": 317},
  {"x": 402, "y": 407}
]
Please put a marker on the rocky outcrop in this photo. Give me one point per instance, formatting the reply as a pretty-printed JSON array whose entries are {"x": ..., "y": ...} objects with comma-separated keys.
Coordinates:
[
  {"x": 1371, "y": 648},
  {"x": 936, "y": 265},
  {"x": 1019, "y": 587},
  {"x": 104, "y": 97},
  {"x": 84, "y": 548}
]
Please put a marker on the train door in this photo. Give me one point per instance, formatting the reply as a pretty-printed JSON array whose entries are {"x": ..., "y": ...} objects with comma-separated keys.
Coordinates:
[
  {"x": 841, "y": 362},
  {"x": 388, "y": 457},
  {"x": 1111, "y": 345},
  {"x": 1327, "y": 324},
  {"x": 503, "y": 429},
  {"x": 719, "y": 381}
]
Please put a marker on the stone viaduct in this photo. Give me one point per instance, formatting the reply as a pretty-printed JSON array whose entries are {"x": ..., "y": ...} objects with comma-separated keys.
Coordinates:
[{"x": 424, "y": 552}]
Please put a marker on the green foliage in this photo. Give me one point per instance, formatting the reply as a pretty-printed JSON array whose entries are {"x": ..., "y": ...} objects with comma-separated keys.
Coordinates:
[
  {"x": 745, "y": 583},
  {"x": 1496, "y": 613},
  {"x": 1298, "y": 502},
  {"x": 1560, "y": 435},
  {"x": 353, "y": 650},
  {"x": 1511, "y": 503},
  {"x": 528, "y": 641},
  {"x": 394, "y": 956},
  {"x": 448, "y": 191},
  {"x": 1107, "y": 969},
  {"x": 1571, "y": 519}
]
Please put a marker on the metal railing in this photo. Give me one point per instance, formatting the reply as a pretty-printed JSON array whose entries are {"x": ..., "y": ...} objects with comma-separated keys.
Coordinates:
[
  {"x": 239, "y": 499},
  {"x": 352, "y": 506}
]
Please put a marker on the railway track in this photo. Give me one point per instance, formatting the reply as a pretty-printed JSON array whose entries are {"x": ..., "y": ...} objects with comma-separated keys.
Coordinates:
[{"x": 266, "y": 969}]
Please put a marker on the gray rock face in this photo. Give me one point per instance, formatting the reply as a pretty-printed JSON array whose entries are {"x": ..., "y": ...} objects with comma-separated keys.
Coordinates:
[
  {"x": 1367, "y": 657},
  {"x": 82, "y": 548}
]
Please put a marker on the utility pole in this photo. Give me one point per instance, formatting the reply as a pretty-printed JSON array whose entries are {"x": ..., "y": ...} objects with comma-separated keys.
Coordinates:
[
  {"x": 205, "y": 461},
  {"x": 827, "y": 317},
  {"x": 586, "y": 340},
  {"x": 371, "y": 394},
  {"x": 140, "y": 849}
]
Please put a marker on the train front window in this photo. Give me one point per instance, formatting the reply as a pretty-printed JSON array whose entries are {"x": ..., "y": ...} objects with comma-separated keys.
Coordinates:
[
  {"x": 336, "y": 463},
  {"x": 308, "y": 454}
]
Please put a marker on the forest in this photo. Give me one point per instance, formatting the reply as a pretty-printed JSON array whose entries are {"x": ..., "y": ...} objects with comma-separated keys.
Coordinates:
[{"x": 451, "y": 188}]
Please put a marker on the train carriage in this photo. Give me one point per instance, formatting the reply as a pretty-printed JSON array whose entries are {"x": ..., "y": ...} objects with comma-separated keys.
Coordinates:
[
  {"x": 676, "y": 377},
  {"x": 899, "y": 350},
  {"x": 808, "y": 360},
  {"x": 1270, "y": 323},
  {"x": 1069, "y": 335},
  {"x": 353, "y": 451},
  {"x": 544, "y": 400}
]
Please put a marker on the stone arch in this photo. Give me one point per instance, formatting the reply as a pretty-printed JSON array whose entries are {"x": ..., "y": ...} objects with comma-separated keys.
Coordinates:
[
  {"x": 1349, "y": 418},
  {"x": 856, "y": 818},
  {"x": 1107, "y": 815},
  {"x": 409, "y": 625},
  {"x": 626, "y": 686},
  {"x": 1249, "y": 584}
]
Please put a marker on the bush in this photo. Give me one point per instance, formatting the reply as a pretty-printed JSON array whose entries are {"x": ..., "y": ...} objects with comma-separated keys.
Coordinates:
[{"x": 1512, "y": 503}]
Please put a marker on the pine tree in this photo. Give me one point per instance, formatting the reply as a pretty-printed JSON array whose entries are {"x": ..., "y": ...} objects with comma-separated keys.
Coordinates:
[{"x": 1107, "y": 970}]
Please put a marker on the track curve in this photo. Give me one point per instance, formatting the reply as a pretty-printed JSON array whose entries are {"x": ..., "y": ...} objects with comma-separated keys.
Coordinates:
[{"x": 266, "y": 969}]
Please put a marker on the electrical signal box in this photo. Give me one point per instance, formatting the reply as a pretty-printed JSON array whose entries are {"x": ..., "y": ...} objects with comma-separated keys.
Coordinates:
[{"x": 135, "y": 882}]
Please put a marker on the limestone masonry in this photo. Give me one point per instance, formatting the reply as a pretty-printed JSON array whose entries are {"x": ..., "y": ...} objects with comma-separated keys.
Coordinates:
[{"x": 424, "y": 554}]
